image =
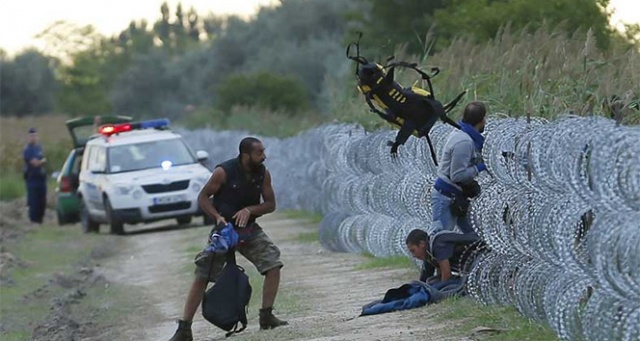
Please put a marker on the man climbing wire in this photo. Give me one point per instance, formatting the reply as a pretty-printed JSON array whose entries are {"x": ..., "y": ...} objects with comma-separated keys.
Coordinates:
[
  {"x": 446, "y": 251},
  {"x": 237, "y": 186},
  {"x": 460, "y": 163}
]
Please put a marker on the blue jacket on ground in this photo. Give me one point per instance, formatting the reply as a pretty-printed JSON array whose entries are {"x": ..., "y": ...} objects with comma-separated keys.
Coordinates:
[{"x": 413, "y": 295}]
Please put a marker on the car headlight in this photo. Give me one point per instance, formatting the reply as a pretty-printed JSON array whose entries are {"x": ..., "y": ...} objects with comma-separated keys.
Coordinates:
[
  {"x": 123, "y": 189},
  {"x": 196, "y": 186}
]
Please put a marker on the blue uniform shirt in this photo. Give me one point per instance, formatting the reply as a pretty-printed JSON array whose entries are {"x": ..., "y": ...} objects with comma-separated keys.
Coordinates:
[{"x": 33, "y": 173}]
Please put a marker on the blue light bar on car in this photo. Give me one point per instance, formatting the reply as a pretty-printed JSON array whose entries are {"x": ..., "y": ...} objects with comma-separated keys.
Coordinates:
[
  {"x": 157, "y": 123},
  {"x": 110, "y": 129}
]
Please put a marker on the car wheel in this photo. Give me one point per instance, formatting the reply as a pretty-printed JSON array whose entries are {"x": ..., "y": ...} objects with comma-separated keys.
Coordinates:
[
  {"x": 117, "y": 227},
  {"x": 207, "y": 220},
  {"x": 61, "y": 218},
  {"x": 184, "y": 220},
  {"x": 87, "y": 224}
]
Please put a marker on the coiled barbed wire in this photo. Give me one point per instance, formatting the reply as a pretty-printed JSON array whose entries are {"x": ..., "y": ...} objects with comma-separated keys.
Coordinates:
[{"x": 559, "y": 209}]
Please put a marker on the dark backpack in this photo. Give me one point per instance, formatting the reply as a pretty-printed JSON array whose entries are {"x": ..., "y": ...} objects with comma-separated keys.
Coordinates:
[
  {"x": 225, "y": 303},
  {"x": 414, "y": 110}
]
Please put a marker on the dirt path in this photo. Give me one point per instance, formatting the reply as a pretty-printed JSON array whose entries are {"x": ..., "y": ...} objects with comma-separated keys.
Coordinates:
[{"x": 320, "y": 291}]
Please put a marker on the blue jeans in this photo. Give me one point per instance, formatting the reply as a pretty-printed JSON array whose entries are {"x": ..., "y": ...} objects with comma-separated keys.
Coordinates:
[{"x": 442, "y": 217}]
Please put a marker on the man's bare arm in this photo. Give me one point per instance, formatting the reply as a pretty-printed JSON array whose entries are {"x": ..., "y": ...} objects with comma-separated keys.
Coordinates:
[
  {"x": 217, "y": 179},
  {"x": 445, "y": 270},
  {"x": 268, "y": 204}
]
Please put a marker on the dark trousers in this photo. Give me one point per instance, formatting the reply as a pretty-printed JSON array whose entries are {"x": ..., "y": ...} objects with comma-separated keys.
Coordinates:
[{"x": 36, "y": 200}]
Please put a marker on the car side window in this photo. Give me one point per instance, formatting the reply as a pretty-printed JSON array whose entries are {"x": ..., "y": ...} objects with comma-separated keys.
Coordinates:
[
  {"x": 99, "y": 159},
  {"x": 87, "y": 158},
  {"x": 75, "y": 168}
]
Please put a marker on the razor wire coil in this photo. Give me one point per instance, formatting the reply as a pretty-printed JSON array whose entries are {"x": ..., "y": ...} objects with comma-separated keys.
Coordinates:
[{"x": 559, "y": 209}]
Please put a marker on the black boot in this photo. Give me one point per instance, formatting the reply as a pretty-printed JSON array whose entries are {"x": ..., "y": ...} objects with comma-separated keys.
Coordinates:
[
  {"x": 184, "y": 332},
  {"x": 268, "y": 321}
]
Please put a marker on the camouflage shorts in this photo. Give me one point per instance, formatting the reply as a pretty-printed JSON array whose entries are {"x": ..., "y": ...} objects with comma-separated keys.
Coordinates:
[{"x": 258, "y": 249}]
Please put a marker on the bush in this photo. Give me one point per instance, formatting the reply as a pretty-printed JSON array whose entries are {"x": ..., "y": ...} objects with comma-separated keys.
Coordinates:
[
  {"x": 265, "y": 90},
  {"x": 12, "y": 186},
  {"x": 256, "y": 120}
]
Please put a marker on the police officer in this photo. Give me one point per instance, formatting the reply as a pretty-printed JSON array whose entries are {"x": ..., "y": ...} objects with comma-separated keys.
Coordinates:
[{"x": 35, "y": 177}]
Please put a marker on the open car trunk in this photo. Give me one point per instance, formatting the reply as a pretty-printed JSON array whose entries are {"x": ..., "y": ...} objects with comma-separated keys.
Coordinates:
[{"x": 81, "y": 128}]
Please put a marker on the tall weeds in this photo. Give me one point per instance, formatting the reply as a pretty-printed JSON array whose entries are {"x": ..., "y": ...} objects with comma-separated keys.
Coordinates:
[{"x": 544, "y": 73}]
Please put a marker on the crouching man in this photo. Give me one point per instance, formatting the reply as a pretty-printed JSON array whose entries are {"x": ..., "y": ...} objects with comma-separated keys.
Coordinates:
[
  {"x": 447, "y": 252},
  {"x": 237, "y": 186}
]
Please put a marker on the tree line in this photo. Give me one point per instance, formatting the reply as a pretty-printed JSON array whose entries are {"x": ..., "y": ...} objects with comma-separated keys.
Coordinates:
[{"x": 284, "y": 58}]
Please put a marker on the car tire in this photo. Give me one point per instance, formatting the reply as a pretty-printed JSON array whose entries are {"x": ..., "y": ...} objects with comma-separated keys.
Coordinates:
[
  {"x": 184, "y": 220},
  {"x": 62, "y": 219},
  {"x": 207, "y": 220},
  {"x": 88, "y": 225},
  {"x": 117, "y": 226}
]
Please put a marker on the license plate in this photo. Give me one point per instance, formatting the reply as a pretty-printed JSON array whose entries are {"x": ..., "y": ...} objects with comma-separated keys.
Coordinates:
[{"x": 168, "y": 199}]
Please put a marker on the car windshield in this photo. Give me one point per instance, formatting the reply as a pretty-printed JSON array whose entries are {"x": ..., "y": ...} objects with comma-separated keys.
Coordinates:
[{"x": 155, "y": 154}]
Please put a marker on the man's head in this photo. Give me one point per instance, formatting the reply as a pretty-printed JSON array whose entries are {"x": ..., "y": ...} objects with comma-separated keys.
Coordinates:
[
  {"x": 475, "y": 114},
  {"x": 252, "y": 153},
  {"x": 33, "y": 136},
  {"x": 417, "y": 243}
]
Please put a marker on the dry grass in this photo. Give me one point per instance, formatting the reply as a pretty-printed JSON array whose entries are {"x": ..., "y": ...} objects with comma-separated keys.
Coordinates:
[{"x": 253, "y": 119}]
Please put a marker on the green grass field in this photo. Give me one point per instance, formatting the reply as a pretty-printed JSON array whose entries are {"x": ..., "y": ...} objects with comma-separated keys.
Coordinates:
[
  {"x": 506, "y": 322},
  {"x": 51, "y": 258}
]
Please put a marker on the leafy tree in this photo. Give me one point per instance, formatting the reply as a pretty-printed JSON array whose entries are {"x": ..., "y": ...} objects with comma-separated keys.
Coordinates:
[
  {"x": 263, "y": 89},
  {"x": 304, "y": 40},
  {"x": 388, "y": 24},
  {"x": 136, "y": 39},
  {"x": 85, "y": 84},
  {"x": 193, "y": 31},
  {"x": 28, "y": 84},
  {"x": 63, "y": 39},
  {"x": 148, "y": 88},
  {"x": 213, "y": 26},
  {"x": 162, "y": 27},
  {"x": 485, "y": 17},
  {"x": 179, "y": 30}
]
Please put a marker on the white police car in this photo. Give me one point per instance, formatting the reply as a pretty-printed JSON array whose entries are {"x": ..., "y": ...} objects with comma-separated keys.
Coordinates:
[{"x": 139, "y": 172}]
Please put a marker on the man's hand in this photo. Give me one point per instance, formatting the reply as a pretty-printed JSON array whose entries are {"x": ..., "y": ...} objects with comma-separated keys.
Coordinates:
[
  {"x": 242, "y": 217},
  {"x": 220, "y": 220}
]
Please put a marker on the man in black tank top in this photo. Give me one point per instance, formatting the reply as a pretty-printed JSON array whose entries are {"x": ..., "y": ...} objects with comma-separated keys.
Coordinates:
[{"x": 237, "y": 186}]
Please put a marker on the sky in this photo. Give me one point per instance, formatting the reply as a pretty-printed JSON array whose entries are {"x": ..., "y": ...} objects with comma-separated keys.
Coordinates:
[{"x": 22, "y": 20}]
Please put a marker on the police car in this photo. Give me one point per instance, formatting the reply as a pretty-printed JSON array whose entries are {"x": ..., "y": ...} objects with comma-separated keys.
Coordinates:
[{"x": 139, "y": 172}]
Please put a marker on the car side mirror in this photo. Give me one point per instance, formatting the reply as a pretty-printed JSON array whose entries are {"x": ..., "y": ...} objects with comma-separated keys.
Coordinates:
[{"x": 202, "y": 155}]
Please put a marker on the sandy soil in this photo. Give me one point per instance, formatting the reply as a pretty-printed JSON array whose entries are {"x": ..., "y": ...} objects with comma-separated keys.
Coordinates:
[{"x": 322, "y": 292}]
